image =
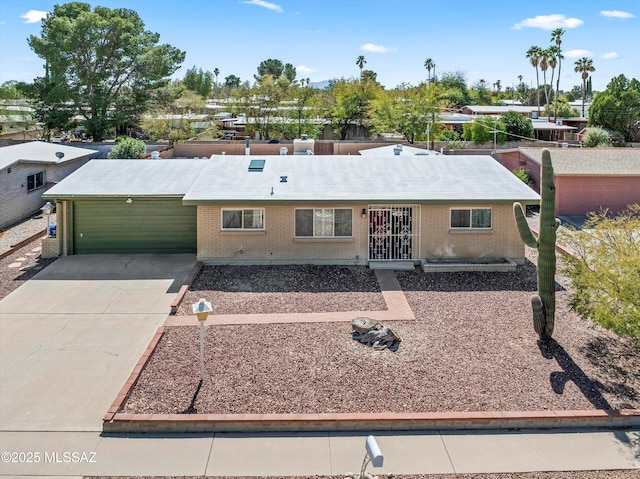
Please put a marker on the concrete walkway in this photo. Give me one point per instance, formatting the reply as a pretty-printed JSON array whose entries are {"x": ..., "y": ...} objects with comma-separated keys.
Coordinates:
[
  {"x": 70, "y": 337},
  {"x": 226, "y": 454}
]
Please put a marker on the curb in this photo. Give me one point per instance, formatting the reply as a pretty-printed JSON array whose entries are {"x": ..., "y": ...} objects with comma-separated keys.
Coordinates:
[
  {"x": 184, "y": 288},
  {"x": 117, "y": 422},
  {"x": 350, "y": 422},
  {"x": 22, "y": 243}
]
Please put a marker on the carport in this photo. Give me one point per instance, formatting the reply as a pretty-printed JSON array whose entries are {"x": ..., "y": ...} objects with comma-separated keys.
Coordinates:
[{"x": 125, "y": 206}]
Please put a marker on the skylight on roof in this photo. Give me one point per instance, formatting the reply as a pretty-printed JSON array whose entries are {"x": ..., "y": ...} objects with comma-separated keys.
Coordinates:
[{"x": 256, "y": 165}]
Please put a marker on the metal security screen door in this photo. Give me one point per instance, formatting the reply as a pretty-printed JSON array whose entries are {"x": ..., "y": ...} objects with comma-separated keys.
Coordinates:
[{"x": 391, "y": 233}]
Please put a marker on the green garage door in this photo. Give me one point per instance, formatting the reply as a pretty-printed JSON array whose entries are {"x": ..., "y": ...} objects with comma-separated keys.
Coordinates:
[{"x": 145, "y": 225}]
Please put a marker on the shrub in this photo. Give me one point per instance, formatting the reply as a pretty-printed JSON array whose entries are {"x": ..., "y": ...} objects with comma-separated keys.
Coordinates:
[
  {"x": 448, "y": 135},
  {"x": 128, "y": 148},
  {"x": 605, "y": 271},
  {"x": 523, "y": 175},
  {"x": 595, "y": 137},
  {"x": 458, "y": 145}
]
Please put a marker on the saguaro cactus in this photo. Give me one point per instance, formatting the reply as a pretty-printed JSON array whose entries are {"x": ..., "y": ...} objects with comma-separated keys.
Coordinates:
[{"x": 543, "y": 303}]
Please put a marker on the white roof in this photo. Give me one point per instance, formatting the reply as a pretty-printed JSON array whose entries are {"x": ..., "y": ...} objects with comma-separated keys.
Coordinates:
[
  {"x": 389, "y": 151},
  {"x": 104, "y": 178},
  {"x": 352, "y": 178},
  {"x": 40, "y": 152}
]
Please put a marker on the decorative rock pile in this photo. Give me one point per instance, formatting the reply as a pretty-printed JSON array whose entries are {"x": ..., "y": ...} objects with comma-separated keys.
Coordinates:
[{"x": 374, "y": 334}]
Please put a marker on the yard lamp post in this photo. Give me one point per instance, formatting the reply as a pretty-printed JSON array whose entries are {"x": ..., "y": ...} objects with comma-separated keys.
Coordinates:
[
  {"x": 202, "y": 309},
  {"x": 47, "y": 209},
  {"x": 373, "y": 456}
]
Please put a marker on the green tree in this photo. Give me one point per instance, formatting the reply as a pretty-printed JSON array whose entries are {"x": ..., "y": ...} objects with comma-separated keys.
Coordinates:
[
  {"x": 275, "y": 69},
  {"x": 93, "y": 58},
  {"x": 10, "y": 90},
  {"x": 352, "y": 104},
  {"x": 480, "y": 93},
  {"x": 48, "y": 98},
  {"x": 584, "y": 66},
  {"x": 128, "y": 148},
  {"x": 517, "y": 126},
  {"x": 618, "y": 107},
  {"x": 262, "y": 101},
  {"x": 409, "y": 111},
  {"x": 605, "y": 271},
  {"x": 560, "y": 108},
  {"x": 199, "y": 81},
  {"x": 533, "y": 54},
  {"x": 232, "y": 81},
  {"x": 487, "y": 128},
  {"x": 454, "y": 89}
]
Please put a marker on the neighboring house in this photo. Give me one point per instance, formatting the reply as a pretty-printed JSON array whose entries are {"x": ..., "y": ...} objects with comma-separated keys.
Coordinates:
[
  {"x": 586, "y": 179},
  {"x": 295, "y": 209},
  {"x": 479, "y": 110},
  {"x": 27, "y": 170},
  {"x": 396, "y": 150}
]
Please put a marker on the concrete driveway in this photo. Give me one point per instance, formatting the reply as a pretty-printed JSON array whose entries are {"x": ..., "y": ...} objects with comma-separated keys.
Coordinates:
[{"x": 70, "y": 337}]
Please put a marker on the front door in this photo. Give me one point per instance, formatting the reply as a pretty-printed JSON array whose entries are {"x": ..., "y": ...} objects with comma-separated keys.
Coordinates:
[{"x": 391, "y": 233}]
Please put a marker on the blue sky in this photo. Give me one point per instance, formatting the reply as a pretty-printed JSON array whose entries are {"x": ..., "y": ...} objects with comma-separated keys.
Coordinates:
[{"x": 322, "y": 38}]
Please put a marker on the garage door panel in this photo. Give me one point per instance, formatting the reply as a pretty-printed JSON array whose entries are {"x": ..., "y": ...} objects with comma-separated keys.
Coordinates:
[{"x": 142, "y": 226}]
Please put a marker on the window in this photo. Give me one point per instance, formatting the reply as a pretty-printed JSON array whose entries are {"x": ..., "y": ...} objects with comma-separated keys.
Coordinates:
[
  {"x": 243, "y": 219},
  {"x": 473, "y": 218},
  {"x": 35, "y": 181},
  {"x": 323, "y": 222}
]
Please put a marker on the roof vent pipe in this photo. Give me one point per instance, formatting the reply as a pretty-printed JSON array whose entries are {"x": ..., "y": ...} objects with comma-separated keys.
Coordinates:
[
  {"x": 155, "y": 155},
  {"x": 247, "y": 150},
  {"x": 397, "y": 150},
  {"x": 283, "y": 151}
]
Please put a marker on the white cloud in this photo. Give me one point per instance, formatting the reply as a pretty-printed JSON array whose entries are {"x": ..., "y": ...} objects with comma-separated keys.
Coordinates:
[
  {"x": 304, "y": 69},
  {"x": 549, "y": 22},
  {"x": 577, "y": 53},
  {"x": 370, "y": 47},
  {"x": 262, "y": 3},
  {"x": 616, "y": 14},
  {"x": 33, "y": 16},
  {"x": 610, "y": 55}
]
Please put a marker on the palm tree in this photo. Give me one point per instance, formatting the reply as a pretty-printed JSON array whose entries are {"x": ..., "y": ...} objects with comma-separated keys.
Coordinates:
[
  {"x": 360, "y": 61},
  {"x": 428, "y": 64},
  {"x": 554, "y": 51},
  {"x": 545, "y": 56},
  {"x": 556, "y": 36},
  {"x": 585, "y": 66},
  {"x": 216, "y": 72},
  {"x": 533, "y": 54}
]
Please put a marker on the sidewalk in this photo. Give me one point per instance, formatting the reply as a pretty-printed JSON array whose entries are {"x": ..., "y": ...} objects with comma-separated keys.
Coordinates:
[{"x": 227, "y": 454}]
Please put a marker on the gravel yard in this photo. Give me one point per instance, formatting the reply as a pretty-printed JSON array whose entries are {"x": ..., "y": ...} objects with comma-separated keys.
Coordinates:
[
  {"x": 21, "y": 266},
  {"x": 472, "y": 348},
  {"x": 285, "y": 289}
]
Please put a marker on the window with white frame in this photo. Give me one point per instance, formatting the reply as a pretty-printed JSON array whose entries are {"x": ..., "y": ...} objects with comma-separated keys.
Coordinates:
[
  {"x": 471, "y": 218},
  {"x": 242, "y": 219},
  {"x": 35, "y": 181},
  {"x": 323, "y": 222}
]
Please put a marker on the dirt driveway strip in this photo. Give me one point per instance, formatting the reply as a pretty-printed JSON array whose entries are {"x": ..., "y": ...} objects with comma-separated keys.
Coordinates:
[{"x": 70, "y": 336}]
